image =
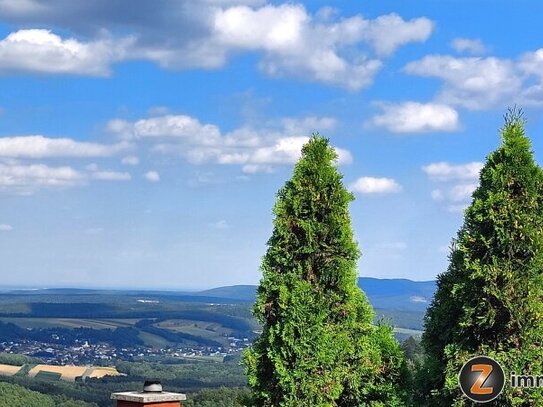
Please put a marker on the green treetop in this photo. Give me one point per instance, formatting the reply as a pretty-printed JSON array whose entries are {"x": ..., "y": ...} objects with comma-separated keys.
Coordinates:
[
  {"x": 489, "y": 302},
  {"x": 319, "y": 346}
]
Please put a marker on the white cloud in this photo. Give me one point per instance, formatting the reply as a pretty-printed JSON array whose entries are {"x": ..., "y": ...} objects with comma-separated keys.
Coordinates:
[
  {"x": 456, "y": 193},
  {"x": 5, "y": 227},
  {"x": 111, "y": 176},
  {"x": 480, "y": 83},
  {"x": 152, "y": 176},
  {"x": 323, "y": 47},
  {"x": 474, "y": 83},
  {"x": 168, "y": 126},
  {"x": 462, "y": 192},
  {"x": 297, "y": 44},
  {"x": 413, "y": 117},
  {"x": 457, "y": 208},
  {"x": 25, "y": 179},
  {"x": 130, "y": 160},
  {"x": 294, "y": 46},
  {"x": 471, "y": 46},
  {"x": 457, "y": 183},
  {"x": 255, "y": 150},
  {"x": 42, "y": 51},
  {"x": 389, "y": 32},
  {"x": 271, "y": 28},
  {"x": 444, "y": 171},
  {"x": 371, "y": 185},
  {"x": 44, "y": 147}
]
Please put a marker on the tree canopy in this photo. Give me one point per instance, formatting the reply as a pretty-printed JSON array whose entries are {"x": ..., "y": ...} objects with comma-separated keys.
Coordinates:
[
  {"x": 319, "y": 346},
  {"x": 489, "y": 301}
]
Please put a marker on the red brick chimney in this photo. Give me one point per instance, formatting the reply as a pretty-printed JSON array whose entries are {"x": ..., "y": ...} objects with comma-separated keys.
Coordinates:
[{"x": 151, "y": 396}]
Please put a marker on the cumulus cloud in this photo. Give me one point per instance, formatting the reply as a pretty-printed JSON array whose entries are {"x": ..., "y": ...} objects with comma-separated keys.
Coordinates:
[
  {"x": 389, "y": 32},
  {"x": 168, "y": 126},
  {"x": 474, "y": 83},
  {"x": 456, "y": 183},
  {"x": 456, "y": 193},
  {"x": 321, "y": 47},
  {"x": 152, "y": 176},
  {"x": 413, "y": 117},
  {"x": 444, "y": 171},
  {"x": 111, "y": 176},
  {"x": 296, "y": 44},
  {"x": 4, "y": 227},
  {"x": 480, "y": 83},
  {"x": 44, "y": 147},
  {"x": 468, "y": 45},
  {"x": 25, "y": 179},
  {"x": 372, "y": 185},
  {"x": 38, "y": 50},
  {"x": 255, "y": 150}
]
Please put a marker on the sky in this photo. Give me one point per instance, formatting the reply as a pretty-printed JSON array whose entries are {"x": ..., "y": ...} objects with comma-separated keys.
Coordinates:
[{"x": 142, "y": 143}]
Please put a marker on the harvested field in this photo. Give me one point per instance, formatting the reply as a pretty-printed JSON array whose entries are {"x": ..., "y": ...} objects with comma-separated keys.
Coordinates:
[
  {"x": 103, "y": 371},
  {"x": 8, "y": 370},
  {"x": 69, "y": 373}
]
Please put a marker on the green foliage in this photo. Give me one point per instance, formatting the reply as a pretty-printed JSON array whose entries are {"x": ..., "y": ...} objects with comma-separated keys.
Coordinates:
[
  {"x": 319, "y": 346},
  {"x": 197, "y": 374},
  {"x": 489, "y": 300},
  {"x": 13, "y": 395},
  {"x": 54, "y": 376},
  {"x": 17, "y": 359},
  {"x": 413, "y": 351},
  {"x": 26, "y": 368},
  {"x": 221, "y": 397},
  {"x": 201, "y": 381}
]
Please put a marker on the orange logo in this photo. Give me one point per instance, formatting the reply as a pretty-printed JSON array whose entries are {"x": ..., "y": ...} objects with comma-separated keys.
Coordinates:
[
  {"x": 477, "y": 387},
  {"x": 481, "y": 379}
]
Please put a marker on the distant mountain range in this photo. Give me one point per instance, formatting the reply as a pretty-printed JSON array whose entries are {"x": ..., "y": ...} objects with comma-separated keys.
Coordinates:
[
  {"x": 389, "y": 294},
  {"x": 386, "y": 294},
  {"x": 403, "y": 302}
]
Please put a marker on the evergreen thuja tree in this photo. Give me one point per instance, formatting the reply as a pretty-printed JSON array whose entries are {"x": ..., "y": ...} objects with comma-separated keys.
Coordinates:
[
  {"x": 490, "y": 300},
  {"x": 319, "y": 346}
]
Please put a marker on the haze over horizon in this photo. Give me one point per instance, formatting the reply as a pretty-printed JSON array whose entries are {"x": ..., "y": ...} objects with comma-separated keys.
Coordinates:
[{"x": 144, "y": 147}]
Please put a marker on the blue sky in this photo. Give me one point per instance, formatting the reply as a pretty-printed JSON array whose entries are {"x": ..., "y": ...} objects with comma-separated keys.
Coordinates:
[{"x": 142, "y": 143}]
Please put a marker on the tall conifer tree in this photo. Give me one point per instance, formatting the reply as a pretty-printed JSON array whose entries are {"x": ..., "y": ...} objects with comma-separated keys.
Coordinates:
[
  {"x": 319, "y": 346},
  {"x": 490, "y": 300}
]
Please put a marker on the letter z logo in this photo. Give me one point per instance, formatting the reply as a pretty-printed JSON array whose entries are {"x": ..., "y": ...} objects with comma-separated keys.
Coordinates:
[
  {"x": 477, "y": 387},
  {"x": 481, "y": 379}
]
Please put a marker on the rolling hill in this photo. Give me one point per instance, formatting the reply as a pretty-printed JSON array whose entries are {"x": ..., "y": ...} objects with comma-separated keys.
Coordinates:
[{"x": 389, "y": 294}]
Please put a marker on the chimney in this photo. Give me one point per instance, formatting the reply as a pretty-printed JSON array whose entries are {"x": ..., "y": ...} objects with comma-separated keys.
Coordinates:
[{"x": 151, "y": 396}]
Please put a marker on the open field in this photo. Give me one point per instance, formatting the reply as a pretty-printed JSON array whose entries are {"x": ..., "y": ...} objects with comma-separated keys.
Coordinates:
[
  {"x": 8, "y": 370},
  {"x": 70, "y": 373},
  {"x": 103, "y": 371},
  {"x": 154, "y": 341},
  {"x": 211, "y": 330},
  {"x": 158, "y": 319},
  {"x": 409, "y": 332},
  {"x": 69, "y": 323}
]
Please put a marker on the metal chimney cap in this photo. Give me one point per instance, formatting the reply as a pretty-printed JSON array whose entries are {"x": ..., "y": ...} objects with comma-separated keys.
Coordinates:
[{"x": 152, "y": 386}]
